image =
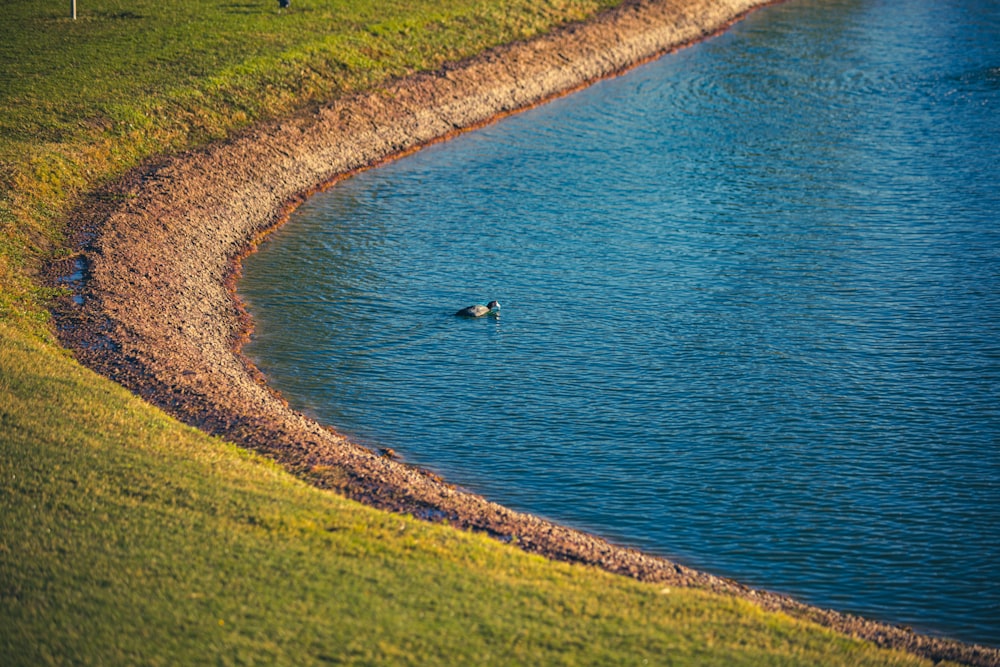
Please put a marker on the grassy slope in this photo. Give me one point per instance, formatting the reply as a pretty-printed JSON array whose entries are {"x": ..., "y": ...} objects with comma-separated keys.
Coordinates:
[{"x": 126, "y": 537}]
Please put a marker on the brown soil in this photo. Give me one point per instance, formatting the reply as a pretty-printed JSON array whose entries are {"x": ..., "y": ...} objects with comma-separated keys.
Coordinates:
[{"x": 162, "y": 246}]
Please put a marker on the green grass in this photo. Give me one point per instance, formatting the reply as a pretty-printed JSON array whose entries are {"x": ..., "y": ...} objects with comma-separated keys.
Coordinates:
[{"x": 128, "y": 538}]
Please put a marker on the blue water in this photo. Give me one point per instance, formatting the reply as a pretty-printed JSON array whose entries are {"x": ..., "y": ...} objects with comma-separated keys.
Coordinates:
[{"x": 751, "y": 308}]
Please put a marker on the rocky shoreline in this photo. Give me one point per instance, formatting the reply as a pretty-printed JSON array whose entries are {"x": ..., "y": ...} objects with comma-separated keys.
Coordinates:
[{"x": 156, "y": 309}]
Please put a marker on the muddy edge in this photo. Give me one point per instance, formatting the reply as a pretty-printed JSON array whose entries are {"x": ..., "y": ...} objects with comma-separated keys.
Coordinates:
[{"x": 156, "y": 310}]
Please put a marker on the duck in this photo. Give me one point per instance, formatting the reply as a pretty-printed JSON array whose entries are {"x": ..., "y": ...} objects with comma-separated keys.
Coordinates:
[{"x": 479, "y": 310}]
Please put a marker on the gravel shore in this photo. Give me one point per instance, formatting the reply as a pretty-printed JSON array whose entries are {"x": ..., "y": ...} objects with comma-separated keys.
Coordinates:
[{"x": 156, "y": 310}]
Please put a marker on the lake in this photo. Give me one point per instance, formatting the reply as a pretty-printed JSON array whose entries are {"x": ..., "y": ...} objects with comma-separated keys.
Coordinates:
[{"x": 750, "y": 308}]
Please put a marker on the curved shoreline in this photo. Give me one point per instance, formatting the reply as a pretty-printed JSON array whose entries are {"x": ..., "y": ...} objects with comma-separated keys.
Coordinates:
[{"x": 162, "y": 248}]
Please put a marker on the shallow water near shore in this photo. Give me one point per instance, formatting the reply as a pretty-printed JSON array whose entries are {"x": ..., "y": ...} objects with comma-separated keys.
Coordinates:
[{"x": 750, "y": 309}]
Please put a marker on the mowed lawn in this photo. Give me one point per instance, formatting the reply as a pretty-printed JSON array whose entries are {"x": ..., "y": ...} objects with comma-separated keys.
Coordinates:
[{"x": 128, "y": 538}]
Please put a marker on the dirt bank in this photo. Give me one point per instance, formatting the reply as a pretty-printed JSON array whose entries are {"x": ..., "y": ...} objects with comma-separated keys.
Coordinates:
[{"x": 156, "y": 310}]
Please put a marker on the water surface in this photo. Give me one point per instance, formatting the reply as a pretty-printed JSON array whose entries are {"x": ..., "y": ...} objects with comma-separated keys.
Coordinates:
[{"x": 751, "y": 308}]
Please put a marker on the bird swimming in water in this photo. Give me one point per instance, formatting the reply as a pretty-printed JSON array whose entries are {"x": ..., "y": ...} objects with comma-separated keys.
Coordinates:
[{"x": 478, "y": 310}]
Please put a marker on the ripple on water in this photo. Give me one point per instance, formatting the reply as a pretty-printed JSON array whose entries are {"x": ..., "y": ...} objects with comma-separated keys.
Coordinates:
[{"x": 751, "y": 308}]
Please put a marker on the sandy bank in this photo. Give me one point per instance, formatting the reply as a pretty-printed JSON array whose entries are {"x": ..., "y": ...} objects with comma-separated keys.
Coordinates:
[{"x": 158, "y": 313}]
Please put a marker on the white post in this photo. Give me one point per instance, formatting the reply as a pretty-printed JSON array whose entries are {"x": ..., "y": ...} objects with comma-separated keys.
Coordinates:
[{"x": 73, "y": 6}]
